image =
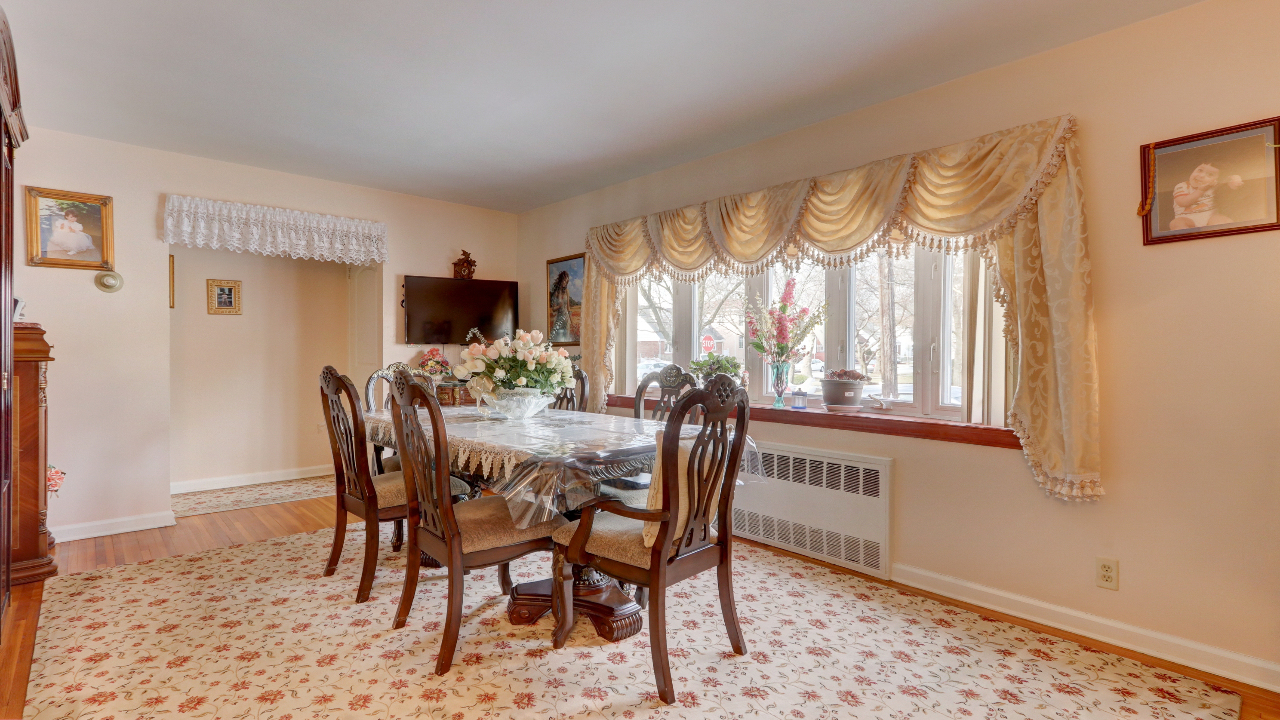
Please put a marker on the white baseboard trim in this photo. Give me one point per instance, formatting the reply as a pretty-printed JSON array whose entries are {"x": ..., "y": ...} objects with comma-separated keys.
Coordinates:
[
  {"x": 230, "y": 481},
  {"x": 1254, "y": 671},
  {"x": 81, "y": 531}
]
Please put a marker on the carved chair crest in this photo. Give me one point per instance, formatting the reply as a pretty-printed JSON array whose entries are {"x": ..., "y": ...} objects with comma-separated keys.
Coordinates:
[
  {"x": 425, "y": 455},
  {"x": 388, "y": 373},
  {"x": 346, "y": 433},
  {"x": 672, "y": 381}
]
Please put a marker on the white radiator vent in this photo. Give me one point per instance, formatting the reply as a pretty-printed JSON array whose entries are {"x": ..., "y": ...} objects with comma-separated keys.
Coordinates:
[{"x": 831, "y": 506}]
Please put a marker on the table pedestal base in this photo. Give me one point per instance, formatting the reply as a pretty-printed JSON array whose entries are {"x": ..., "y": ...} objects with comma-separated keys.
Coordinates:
[{"x": 614, "y": 615}]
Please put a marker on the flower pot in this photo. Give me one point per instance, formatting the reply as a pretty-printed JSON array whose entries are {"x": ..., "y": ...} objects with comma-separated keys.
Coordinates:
[
  {"x": 842, "y": 392},
  {"x": 517, "y": 403}
]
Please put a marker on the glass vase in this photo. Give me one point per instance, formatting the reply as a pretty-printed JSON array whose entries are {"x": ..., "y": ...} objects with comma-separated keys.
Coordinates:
[{"x": 781, "y": 375}]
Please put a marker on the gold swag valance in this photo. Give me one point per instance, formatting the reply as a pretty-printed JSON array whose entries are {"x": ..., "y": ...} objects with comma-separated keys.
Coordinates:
[{"x": 1015, "y": 196}]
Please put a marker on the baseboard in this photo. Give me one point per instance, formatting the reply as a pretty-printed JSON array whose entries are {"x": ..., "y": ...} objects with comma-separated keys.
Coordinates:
[
  {"x": 230, "y": 481},
  {"x": 80, "y": 531},
  {"x": 1244, "y": 668}
]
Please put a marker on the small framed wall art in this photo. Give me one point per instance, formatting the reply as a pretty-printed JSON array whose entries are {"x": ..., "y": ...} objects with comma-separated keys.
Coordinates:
[
  {"x": 69, "y": 230},
  {"x": 564, "y": 299},
  {"x": 224, "y": 297},
  {"x": 1221, "y": 182}
]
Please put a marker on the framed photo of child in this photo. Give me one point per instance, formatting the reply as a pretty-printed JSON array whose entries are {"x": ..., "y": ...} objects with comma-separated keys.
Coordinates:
[
  {"x": 1221, "y": 182},
  {"x": 564, "y": 299},
  {"x": 69, "y": 230}
]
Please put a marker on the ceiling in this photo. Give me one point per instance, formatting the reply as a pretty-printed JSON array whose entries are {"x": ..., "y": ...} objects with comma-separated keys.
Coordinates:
[{"x": 507, "y": 105}]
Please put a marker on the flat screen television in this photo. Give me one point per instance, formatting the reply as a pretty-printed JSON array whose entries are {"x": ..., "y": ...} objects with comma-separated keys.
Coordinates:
[{"x": 441, "y": 311}]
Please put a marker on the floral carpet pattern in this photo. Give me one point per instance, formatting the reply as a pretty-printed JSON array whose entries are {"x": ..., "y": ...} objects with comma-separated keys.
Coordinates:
[
  {"x": 247, "y": 496},
  {"x": 255, "y": 632}
]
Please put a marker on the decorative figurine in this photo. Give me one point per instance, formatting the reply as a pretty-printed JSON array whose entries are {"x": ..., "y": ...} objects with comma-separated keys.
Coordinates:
[{"x": 464, "y": 268}]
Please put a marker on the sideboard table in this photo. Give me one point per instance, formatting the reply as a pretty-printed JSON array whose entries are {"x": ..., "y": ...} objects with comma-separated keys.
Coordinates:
[{"x": 32, "y": 543}]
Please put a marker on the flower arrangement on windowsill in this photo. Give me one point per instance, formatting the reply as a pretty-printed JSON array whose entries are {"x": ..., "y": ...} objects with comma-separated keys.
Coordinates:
[
  {"x": 53, "y": 479},
  {"x": 714, "y": 364},
  {"x": 778, "y": 332},
  {"x": 519, "y": 377},
  {"x": 434, "y": 364}
]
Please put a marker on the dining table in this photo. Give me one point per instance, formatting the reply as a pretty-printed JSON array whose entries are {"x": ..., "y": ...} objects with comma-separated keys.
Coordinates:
[{"x": 551, "y": 464}]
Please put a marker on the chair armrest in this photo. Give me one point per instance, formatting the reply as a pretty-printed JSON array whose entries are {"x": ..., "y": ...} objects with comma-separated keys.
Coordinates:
[{"x": 617, "y": 507}]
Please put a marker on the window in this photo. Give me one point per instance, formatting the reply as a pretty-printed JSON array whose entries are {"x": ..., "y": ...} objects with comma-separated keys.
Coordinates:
[{"x": 920, "y": 324}]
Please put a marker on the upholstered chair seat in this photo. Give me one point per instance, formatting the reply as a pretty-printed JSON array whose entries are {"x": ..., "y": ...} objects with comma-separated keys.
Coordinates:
[
  {"x": 486, "y": 523},
  {"x": 390, "y": 489},
  {"x": 614, "y": 537}
]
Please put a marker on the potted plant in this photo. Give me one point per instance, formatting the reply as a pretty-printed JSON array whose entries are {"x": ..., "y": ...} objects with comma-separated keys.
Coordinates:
[
  {"x": 714, "y": 364},
  {"x": 842, "y": 390}
]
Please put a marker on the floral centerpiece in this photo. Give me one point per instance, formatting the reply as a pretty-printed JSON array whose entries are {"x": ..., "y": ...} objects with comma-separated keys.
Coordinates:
[
  {"x": 714, "y": 364},
  {"x": 778, "y": 332},
  {"x": 517, "y": 376},
  {"x": 434, "y": 364}
]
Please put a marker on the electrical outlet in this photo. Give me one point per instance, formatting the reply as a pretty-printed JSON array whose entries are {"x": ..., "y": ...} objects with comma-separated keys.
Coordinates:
[{"x": 1108, "y": 573}]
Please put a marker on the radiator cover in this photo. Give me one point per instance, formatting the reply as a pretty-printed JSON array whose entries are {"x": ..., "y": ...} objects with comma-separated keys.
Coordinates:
[{"x": 827, "y": 505}]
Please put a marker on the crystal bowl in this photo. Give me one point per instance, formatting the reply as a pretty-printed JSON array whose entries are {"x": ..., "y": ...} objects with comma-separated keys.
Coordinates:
[{"x": 518, "y": 403}]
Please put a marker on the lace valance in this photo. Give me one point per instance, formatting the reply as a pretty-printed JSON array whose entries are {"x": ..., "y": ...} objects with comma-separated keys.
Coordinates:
[
  {"x": 1014, "y": 195},
  {"x": 199, "y": 222}
]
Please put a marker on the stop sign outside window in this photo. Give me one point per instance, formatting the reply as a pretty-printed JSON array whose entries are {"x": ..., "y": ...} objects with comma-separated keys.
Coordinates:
[{"x": 708, "y": 343}]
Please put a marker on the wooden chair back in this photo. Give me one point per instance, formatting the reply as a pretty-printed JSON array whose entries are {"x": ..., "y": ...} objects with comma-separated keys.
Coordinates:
[
  {"x": 723, "y": 408},
  {"x": 672, "y": 381},
  {"x": 388, "y": 373},
  {"x": 346, "y": 435},
  {"x": 424, "y": 459},
  {"x": 575, "y": 395}
]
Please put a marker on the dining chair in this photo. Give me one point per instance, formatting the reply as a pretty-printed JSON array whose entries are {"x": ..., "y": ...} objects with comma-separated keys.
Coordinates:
[
  {"x": 686, "y": 529},
  {"x": 460, "y": 536},
  {"x": 376, "y": 498},
  {"x": 671, "y": 380},
  {"x": 388, "y": 374},
  {"x": 575, "y": 395}
]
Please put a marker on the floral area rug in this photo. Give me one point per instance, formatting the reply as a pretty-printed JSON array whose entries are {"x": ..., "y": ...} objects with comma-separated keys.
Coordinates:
[
  {"x": 255, "y": 632},
  {"x": 247, "y": 496}
]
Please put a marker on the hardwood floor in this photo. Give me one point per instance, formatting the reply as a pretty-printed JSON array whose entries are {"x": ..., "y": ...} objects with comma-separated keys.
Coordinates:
[{"x": 214, "y": 530}]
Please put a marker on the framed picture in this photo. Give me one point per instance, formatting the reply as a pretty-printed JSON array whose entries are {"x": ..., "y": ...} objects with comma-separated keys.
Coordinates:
[
  {"x": 224, "y": 297},
  {"x": 69, "y": 230},
  {"x": 1221, "y": 182},
  {"x": 564, "y": 299}
]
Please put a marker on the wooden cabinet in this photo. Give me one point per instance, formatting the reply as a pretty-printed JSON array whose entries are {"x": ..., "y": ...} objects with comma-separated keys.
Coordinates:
[{"x": 31, "y": 559}]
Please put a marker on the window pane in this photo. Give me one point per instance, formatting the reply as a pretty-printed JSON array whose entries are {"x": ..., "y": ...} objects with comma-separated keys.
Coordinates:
[
  {"x": 721, "y": 317},
  {"x": 884, "y": 307},
  {"x": 811, "y": 292},
  {"x": 952, "y": 370},
  {"x": 653, "y": 325}
]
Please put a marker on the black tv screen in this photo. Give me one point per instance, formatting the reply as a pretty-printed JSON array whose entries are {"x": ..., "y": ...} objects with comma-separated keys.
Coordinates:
[{"x": 441, "y": 311}]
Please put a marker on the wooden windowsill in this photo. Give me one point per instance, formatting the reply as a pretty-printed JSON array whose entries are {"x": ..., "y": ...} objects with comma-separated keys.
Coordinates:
[{"x": 872, "y": 422}]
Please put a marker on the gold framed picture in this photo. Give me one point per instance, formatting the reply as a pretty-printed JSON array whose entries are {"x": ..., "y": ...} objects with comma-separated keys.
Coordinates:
[
  {"x": 224, "y": 297},
  {"x": 69, "y": 230},
  {"x": 564, "y": 299}
]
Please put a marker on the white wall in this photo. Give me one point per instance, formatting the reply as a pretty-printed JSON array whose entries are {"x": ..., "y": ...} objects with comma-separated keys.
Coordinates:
[
  {"x": 248, "y": 381},
  {"x": 110, "y": 415},
  {"x": 1187, "y": 340}
]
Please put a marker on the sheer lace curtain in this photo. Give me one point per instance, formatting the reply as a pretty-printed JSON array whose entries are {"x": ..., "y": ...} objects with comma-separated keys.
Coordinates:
[
  {"x": 199, "y": 222},
  {"x": 1014, "y": 196}
]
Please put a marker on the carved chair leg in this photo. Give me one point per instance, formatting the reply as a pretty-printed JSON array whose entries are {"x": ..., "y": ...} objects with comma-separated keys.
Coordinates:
[
  {"x": 561, "y": 597},
  {"x": 413, "y": 562},
  {"x": 504, "y": 578},
  {"x": 730, "y": 611},
  {"x": 339, "y": 538},
  {"x": 370, "y": 559},
  {"x": 453, "y": 618},
  {"x": 397, "y": 535},
  {"x": 658, "y": 646},
  {"x": 642, "y": 596}
]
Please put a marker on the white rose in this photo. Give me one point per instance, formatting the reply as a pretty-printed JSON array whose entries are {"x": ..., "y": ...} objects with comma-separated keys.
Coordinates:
[
  {"x": 499, "y": 373},
  {"x": 461, "y": 372},
  {"x": 493, "y": 352},
  {"x": 476, "y": 365},
  {"x": 536, "y": 336},
  {"x": 520, "y": 381},
  {"x": 531, "y": 365}
]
